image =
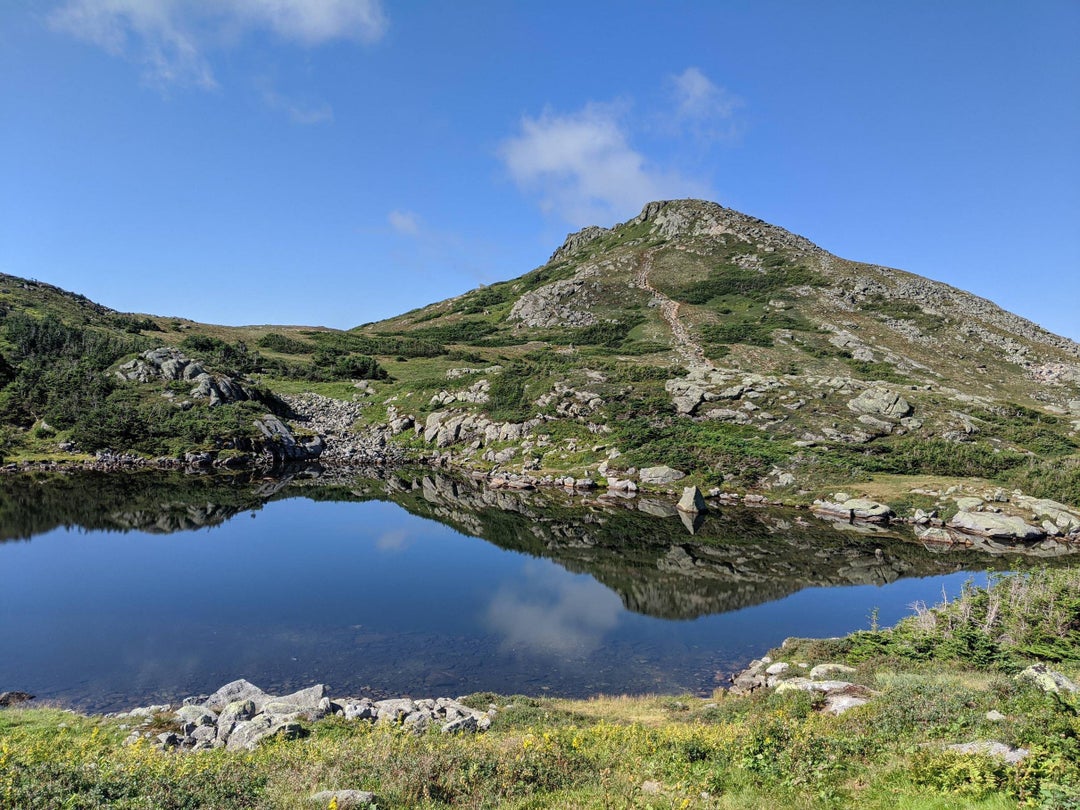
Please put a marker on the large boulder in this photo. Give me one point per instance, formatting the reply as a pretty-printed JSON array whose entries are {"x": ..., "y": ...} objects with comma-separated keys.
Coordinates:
[
  {"x": 995, "y": 526},
  {"x": 851, "y": 509},
  {"x": 1047, "y": 679},
  {"x": 280, "y": 442},
  {"x": 237, "y": 690},
  {"x": 692, "y": 501},
  {"x": 881, "y": 402},
  {"x": 661, "y": 474}
]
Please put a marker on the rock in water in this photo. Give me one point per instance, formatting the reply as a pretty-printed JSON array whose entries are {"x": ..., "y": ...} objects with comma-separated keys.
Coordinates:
[{"x": 691, "y": 501}]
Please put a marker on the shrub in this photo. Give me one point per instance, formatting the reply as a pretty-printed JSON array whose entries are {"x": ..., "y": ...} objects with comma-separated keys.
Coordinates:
[{"x": 276, "y": 342}]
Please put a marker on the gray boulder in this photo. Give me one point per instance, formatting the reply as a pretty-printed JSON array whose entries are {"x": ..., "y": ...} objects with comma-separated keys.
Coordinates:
[
  {"x": 995, "y": 526},
  {"x": 862, "y": 509},
  {"x": 248, "y": 734},
  {"x": 881, "y": 402},
  {"x": 238, "y": 690},
  {"x": 692, "y": 501},
  {"x": 283, "y": 445},
  {"x": 661, "y": 474},
  {"x": 198, "y": 715}
]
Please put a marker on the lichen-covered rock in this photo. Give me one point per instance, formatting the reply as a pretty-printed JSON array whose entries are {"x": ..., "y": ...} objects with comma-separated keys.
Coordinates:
[
  {"x": 881, "y": 402},
  {"x": 1047, "y": 679}
]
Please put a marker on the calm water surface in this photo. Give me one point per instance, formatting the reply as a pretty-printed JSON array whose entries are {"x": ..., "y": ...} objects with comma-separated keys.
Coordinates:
[{"x": 136, "y": 588}]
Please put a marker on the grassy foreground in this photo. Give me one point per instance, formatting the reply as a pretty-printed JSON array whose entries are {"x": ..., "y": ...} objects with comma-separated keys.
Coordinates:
[{"x": 934, "y": 679}]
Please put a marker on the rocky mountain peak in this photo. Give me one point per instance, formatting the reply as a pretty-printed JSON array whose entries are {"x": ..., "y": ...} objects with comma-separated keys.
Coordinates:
[
  {"x": 577, "y": 240},
  {"x": 673, "y": 219}
]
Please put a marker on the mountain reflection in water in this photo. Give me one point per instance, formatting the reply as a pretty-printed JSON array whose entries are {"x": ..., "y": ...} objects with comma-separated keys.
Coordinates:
[{"x": 375, "y": 584}]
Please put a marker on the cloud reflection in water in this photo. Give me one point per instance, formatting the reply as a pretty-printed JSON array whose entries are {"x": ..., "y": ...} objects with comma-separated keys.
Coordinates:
[{"x": 546, "y": 611}]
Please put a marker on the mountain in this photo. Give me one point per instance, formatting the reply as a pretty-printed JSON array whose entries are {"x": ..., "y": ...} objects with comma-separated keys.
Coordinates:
[
  {"x": 692, "y": 337},
  {"x": 701, "y": 338}
]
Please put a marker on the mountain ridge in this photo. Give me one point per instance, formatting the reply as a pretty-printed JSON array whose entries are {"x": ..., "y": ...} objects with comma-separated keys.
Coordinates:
[{"x": 691, "y": 336}]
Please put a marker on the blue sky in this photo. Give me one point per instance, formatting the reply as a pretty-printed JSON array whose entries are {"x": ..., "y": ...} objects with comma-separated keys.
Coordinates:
[{"x": 340, "y": 161}]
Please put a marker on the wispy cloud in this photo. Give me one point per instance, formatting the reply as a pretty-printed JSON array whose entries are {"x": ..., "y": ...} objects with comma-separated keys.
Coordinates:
[
  {"x": 169, "y": 38},
  {"x": 583, "y": 168},
  {"x": 699, "y": 98},
  {"x": 407, "y": 223},
  {"x": 298, "y": 112}
]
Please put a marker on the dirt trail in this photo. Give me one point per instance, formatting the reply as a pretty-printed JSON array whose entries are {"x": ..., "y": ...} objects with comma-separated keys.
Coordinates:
[{"x": 685, "y": 346}]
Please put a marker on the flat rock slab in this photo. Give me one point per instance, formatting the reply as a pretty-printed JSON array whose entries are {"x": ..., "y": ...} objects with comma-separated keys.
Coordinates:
[{"x": 995, "y": 526}]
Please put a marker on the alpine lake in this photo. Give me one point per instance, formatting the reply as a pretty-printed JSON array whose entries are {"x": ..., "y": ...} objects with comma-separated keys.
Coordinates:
[{"x": 122, "y": 589}]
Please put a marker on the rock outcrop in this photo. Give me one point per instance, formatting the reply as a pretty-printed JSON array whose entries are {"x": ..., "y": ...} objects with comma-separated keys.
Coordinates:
[
  {"x": 240, "y": 715},
  {"x": 167, "y": 363}
]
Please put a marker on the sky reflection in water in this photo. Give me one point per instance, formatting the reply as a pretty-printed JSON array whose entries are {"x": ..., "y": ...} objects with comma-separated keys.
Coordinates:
[{"x": 371, "y": 599}]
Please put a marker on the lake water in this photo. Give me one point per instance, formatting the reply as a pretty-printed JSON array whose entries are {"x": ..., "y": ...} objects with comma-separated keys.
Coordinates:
[{"x": 126, "y": 589}]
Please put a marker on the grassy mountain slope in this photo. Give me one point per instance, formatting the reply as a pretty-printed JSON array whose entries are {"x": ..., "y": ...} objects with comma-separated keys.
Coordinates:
[{"x": 701, "y": 338}]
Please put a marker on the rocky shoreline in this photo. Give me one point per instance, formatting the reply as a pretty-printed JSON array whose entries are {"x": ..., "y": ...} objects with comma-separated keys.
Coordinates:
[
  {"x": 239, "y": 715},
  {"x": 994, "y": 521}
]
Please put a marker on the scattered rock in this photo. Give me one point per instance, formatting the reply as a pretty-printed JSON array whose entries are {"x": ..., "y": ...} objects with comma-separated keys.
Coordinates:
[{"x": 14, "y": 698}]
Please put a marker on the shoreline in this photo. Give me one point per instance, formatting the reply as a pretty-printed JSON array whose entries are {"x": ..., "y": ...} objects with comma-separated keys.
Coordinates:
[{"x": 985, "y": 531}]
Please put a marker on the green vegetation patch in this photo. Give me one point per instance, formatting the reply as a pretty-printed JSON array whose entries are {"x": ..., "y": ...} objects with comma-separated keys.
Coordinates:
[
  {"x": 57, "y": 372},
  {"x": 719, "y": 451},
  {"x": 276, "y": 342},
  {"x": 916, "y": 456},
  {"x": 1039, "y": 432},
  {"x": 904, "y": 310},
  {"x": 1015, "y": 619},
  {"x": 734, "y": 281}
]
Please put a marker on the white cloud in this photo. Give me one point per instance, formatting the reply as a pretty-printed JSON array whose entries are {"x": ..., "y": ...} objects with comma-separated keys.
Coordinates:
[
  {"x": 299, "y": 113},
  {"x": 406, "y": 223},
  {"x": 584, "y": 168},
  {"x": 168, "y": 37},
  {"x": 702, "y": 106}
]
